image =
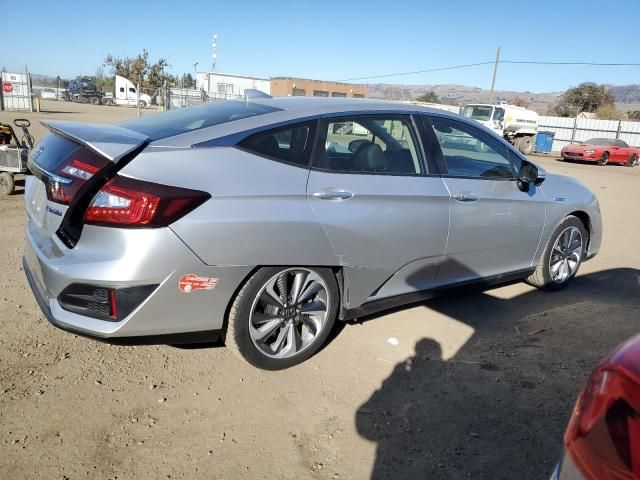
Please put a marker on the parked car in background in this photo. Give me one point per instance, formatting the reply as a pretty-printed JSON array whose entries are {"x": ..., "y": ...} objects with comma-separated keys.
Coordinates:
[
  {"x": 265, "y": 220},
  {"x": 602, "y": 151},
  {"x": 602, "y": 440},
  {"x": 49, "y": 93}
]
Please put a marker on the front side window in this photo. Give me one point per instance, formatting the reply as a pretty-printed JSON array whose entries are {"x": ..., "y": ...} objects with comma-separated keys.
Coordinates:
[
  {"x": 370, "y": 144},
  {"x": 481, "y": 113},
  {"x": 469, "y": 152},
  {"x": 291, "y": 144},
  {"x": 621, "y": 143}
]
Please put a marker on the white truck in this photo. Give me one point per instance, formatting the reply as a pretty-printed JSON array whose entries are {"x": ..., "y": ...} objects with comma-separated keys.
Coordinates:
[
  {"x": 125, "y": 93},
  {"x": 518, "y": 125}
]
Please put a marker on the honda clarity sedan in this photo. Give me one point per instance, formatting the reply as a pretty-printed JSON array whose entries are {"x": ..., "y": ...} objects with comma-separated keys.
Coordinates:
[{"x": 265, "y": 221}]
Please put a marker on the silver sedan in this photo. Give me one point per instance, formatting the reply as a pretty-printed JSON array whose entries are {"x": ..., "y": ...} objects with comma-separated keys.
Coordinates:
[{"x": 264, "y": 221}]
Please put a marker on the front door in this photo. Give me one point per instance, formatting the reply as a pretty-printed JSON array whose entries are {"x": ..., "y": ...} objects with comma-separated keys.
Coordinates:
[
  {"x": 495, "y": 226},
  {"x": 385, "y": 217}
]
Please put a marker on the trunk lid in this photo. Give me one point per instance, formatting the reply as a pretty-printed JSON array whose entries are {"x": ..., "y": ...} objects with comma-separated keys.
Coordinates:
[{"x": 57, "y": 163}]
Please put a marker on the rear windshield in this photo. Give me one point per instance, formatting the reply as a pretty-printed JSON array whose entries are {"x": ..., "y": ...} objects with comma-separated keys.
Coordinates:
[
  {"x": 604, "y": 142},
  {"x": 183, "y": 120},
  {"x": 53, "y": 149}
]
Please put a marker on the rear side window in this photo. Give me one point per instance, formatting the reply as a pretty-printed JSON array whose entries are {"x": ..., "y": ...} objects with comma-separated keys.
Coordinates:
[
  {"x": 370, "y": 144},
  {"x": 290, "y": 144},
  {"x": 183, "y": 120}
]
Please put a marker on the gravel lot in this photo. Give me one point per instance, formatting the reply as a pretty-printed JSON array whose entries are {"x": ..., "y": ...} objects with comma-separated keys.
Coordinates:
[{"x": 479, "y": 384}]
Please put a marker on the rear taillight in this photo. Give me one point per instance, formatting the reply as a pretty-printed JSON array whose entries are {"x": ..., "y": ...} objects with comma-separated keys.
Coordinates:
[
  {"x": 603, "y": 436},
  {"x": 128, "y": 202},
  {"x": 72, "y": 174}
]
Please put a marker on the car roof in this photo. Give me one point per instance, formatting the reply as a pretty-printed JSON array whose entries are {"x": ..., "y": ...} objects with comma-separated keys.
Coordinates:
[{"x": 290, "y": 109}]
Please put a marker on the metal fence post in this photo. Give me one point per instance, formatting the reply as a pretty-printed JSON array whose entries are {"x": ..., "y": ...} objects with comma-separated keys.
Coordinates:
[
  {"x": 575, "y": 126},
  {"x": 619, "y": 129}
]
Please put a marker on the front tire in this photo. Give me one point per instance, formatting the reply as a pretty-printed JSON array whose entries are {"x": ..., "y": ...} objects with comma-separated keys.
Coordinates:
[
  {"x": 604, "y": 159},
  {"x": 282, "y": 316},
  {"x": 633, "y": 160},
  {"x": 562, "y": 256}
]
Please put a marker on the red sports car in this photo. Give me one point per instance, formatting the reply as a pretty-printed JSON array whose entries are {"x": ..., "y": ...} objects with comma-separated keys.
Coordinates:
[{"x": 603, "y": 151}]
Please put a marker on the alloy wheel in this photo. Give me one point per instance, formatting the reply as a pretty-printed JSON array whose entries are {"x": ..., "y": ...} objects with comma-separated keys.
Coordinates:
[
  {"x": 566, "y": 255},
  {"x": 289, "y": 313}
]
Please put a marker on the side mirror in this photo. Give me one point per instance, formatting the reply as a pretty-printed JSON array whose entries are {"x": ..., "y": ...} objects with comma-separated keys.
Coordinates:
[{"x": 529, "y": 174}]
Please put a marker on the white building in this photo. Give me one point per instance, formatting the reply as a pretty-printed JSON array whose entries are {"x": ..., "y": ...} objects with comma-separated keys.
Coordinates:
[{"x": 222, "y": 85}]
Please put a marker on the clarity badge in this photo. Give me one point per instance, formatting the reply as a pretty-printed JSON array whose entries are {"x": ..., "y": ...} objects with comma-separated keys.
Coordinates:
[{"x": 191, "y": 282}]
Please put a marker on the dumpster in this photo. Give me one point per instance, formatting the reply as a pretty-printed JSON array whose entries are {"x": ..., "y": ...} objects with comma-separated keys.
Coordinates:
[{"x": 544, "y": 142}]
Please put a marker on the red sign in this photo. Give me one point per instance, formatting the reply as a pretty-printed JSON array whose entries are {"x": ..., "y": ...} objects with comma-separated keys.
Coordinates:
[
  {"x": 191, "y": 282},
  {"x": 7, "y": 87}
]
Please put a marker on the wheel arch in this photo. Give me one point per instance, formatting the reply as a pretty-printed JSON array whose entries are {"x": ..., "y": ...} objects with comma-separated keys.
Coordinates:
[{"x": 585, "y": 219}]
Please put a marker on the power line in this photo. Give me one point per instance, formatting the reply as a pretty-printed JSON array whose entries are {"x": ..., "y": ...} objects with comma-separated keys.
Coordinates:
[
  {"x": 595, "y": 64},
  {"x": 418, "y": 71},
  {"x": 515, "y": 62}
]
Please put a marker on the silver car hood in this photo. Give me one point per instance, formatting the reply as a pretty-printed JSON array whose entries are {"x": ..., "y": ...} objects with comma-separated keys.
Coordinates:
[{"x": 110, "y": 141}]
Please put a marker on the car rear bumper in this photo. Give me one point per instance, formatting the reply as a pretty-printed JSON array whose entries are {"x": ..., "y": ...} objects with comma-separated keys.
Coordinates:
[
  {"x": 566, "y": 470},
  {"x": 115, "y": 258}
]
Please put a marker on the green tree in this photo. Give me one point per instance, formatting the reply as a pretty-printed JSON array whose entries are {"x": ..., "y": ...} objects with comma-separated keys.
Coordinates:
[
  {"x": 586, "y": 97},
  {"x": 103, "y": 82},
  {"x": 187, "y": 81},
  {"x": 608, "y": 112},
  {"x": 139, "y": 69},
  {"x": 428, "y": 97}
]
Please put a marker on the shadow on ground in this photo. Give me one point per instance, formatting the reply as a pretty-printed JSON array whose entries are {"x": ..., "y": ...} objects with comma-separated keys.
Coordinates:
[{"x": 498, "y": 409}]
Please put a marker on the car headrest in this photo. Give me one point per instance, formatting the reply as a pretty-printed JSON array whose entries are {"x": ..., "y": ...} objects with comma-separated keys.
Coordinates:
[{"x": 369, "y": 158}]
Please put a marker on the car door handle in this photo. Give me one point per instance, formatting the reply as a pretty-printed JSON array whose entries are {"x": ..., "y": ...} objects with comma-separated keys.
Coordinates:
[
  {"x": 333, "y": 195},
  {"x": 465, "y": 197}
]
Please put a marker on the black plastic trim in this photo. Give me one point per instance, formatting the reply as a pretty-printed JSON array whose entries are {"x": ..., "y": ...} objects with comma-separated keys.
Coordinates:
[
  {"x": 375, "y": 306},
  {"x": 205, "y": 336}
]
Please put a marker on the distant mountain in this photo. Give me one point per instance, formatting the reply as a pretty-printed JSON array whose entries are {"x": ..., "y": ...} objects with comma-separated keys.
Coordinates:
[
  {"x": 627, "y": 96},
  {"x": 626, "y": 93}
]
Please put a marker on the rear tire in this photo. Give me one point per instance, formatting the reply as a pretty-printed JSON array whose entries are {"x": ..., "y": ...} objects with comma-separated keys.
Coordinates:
[
  {"x": 525, "y": 144},
  {"x": 562, "y": 256},
  {"x": 604, "y": 159},
  {"x": 94, "y": 101},
  {"x": 267, "y": 324},
  {"x": 633, "y": 160},
  {"x": 7, "y": 183}
]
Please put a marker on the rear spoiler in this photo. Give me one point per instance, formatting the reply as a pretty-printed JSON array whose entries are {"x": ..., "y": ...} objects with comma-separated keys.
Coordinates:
[{"x": 110, "y": 141}]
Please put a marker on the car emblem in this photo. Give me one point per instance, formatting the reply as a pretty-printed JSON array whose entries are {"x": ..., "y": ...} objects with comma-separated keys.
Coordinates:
[
  {"x": 37, "y": 153},
  {"x": 55, "y": 211}
]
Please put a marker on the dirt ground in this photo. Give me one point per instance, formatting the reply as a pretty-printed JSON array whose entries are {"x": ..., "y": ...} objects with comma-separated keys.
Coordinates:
[{"x": 475, "y": 384}]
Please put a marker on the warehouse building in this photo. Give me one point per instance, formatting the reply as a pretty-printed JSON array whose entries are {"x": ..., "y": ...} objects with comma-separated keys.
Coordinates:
[
  {"x": 226, "y": 86},
  {"x": 288, "y": 86}
]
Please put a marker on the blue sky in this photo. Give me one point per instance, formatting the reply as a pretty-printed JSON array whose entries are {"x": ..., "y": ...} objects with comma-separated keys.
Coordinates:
[{"x": 335, "y": 40}]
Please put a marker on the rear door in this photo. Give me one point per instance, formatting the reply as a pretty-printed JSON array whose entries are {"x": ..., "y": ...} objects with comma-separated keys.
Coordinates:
[
  {"x": 495, "y": 227},
  {"x": 386, "y": 217}
]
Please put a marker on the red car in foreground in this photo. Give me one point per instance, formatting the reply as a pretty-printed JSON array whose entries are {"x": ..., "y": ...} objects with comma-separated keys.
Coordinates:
[
  {"x": 603, "y": 151},
  {"x": 602, "y": 441}
]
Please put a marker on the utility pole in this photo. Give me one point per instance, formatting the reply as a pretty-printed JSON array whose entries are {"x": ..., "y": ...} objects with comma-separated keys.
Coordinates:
[{"x": 495, "y": 72}]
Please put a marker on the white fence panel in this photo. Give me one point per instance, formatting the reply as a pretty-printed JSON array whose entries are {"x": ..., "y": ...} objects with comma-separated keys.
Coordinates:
[
  {"x": 16, "y": 91},
  {"x": 578, "y": 130}
]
